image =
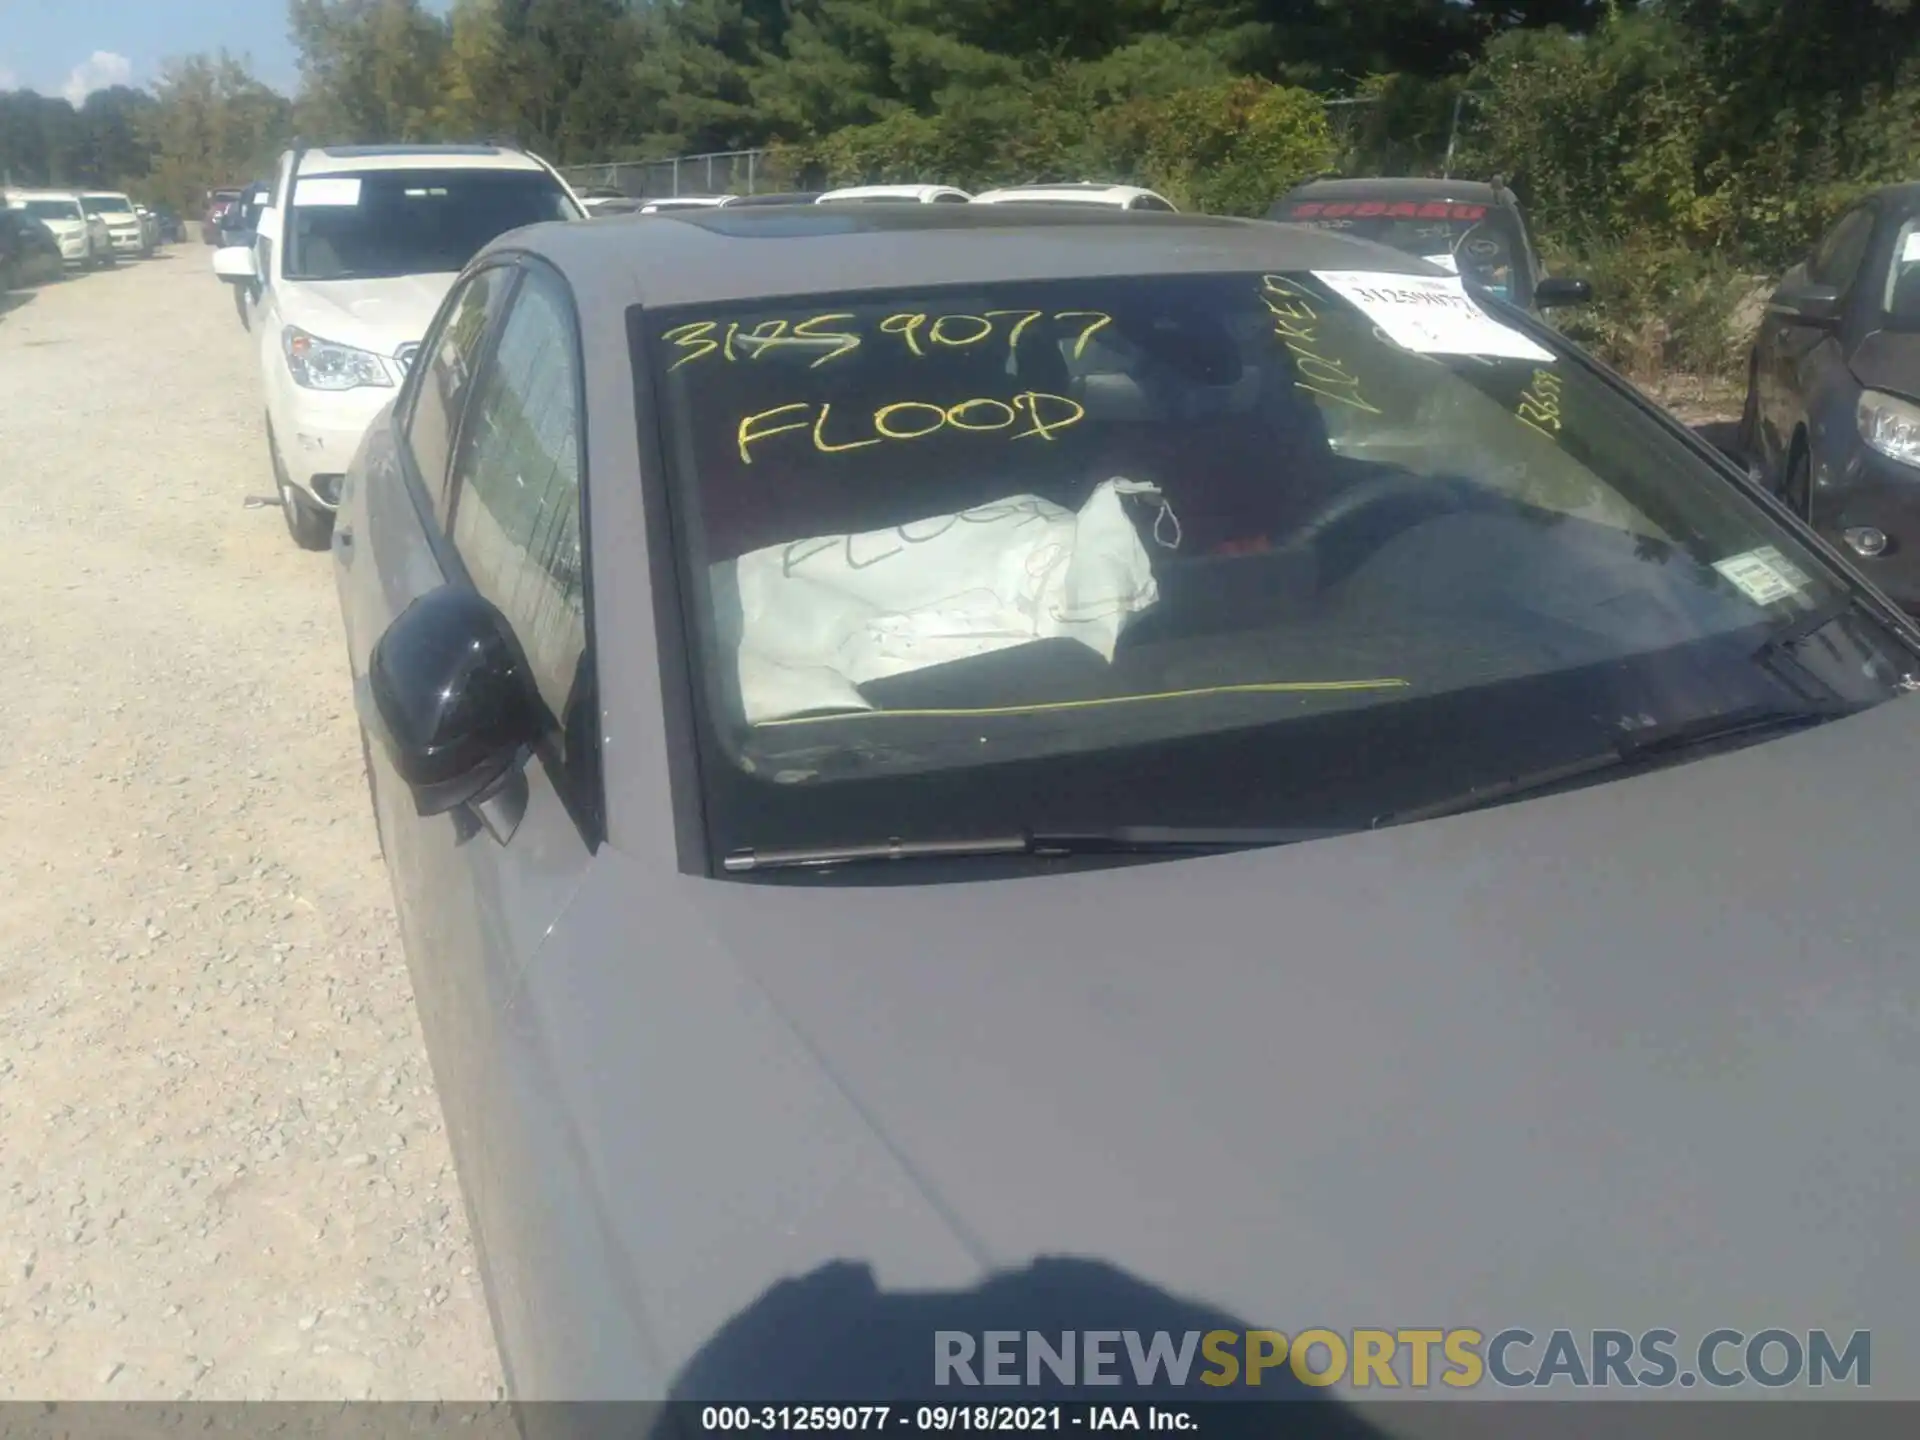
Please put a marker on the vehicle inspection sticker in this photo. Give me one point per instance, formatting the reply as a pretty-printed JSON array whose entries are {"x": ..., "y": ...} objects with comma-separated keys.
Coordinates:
[
  {"x": 1910, "y": 252},
  {"x": 1430, "y": 315},
  {"x": 1764, "y": 575},
  {"x": 328, "y": 190}
]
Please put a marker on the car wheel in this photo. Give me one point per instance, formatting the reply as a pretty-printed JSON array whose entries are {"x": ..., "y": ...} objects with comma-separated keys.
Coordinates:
[
  {"x": 1799, "y": 491},
  {"x": 310, "y": 526}
]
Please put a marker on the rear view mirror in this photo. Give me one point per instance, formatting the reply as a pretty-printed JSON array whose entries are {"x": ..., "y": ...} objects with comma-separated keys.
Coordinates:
[
  {"x": 1555, "y": 291},
  {"x": 1808, "y": 303},
  {"x": 454, "y": 704},
  {"x": 234, "y": 264}
]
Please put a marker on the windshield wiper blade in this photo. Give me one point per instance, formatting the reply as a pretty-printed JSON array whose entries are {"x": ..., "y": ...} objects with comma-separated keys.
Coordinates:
[
  {"x": 1632, "y": 749},
  {"x": 1119, "y": 840}
]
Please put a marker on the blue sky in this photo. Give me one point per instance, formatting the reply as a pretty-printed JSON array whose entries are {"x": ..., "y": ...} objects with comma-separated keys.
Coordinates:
[{"x": 71, "y": 46}]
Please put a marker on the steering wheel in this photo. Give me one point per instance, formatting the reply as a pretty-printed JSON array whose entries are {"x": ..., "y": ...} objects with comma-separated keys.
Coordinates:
[{"x": 1357, "y": 520}]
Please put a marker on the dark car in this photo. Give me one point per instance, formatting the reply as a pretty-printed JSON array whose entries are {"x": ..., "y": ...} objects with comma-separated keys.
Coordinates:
[
  {"x": 1467, "y": 226},
  {"x": 911, "y": 740},
  {"x": 29, "y": 251},
  {"x": 1832, "y": 419}
]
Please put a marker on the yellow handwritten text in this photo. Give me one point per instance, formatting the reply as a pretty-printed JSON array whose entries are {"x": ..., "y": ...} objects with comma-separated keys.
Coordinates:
[
  {"x": 922, "y": 334},
  {"x": 1297, "y": 324},
  {"x": 1042, "y": 414},
  {"x": 1539, "y": 407}
]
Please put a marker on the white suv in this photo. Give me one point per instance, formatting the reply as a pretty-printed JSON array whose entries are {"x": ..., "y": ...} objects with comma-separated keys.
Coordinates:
[
  {"x": 351, "y": 258},
  {"x": 83, "y": 238},
  {"x": 123, "y": 221}
]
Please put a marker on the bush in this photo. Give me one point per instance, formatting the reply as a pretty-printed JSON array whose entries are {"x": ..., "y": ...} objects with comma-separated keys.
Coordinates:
[
  {"x": 1661, "y": 308},
  {"x": 1231, "y": 148}
]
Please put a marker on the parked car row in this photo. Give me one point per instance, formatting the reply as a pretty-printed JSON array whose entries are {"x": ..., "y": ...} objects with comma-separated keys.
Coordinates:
[
  {"x": 43, "y": 232},
  {"x": 606, "y": 201}
]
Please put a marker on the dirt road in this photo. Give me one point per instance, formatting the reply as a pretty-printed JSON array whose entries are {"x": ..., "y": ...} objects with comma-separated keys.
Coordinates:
[{"x": 222, "y": 1167}]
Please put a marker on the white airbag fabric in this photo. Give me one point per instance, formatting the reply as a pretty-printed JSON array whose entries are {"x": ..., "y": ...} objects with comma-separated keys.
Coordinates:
[{"x": 817, "y": 618}]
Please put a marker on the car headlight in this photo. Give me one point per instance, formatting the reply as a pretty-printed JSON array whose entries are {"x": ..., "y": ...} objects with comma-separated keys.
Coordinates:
[
  {"x": 322, "y": 365},
  {"x": 1891, "y": 426}
]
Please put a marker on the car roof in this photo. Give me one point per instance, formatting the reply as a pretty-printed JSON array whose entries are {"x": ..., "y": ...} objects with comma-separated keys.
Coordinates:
[
  {"x": 358, "y": 159},
  {"x": 724, "y": 254},
  {"x": 1400, "y": 187},
  {"x": 1904, "y": 195},
  {"x": 1070, "y": 189},
  {"x": 887, "y": 192},
  {"x": 73, "y": 195}
]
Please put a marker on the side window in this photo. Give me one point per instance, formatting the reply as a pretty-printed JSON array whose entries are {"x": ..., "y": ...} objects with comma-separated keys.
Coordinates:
[
  {"x": 951, "y": 200},
  {"x": 1836, "y": 260},
  {"x": 516, "y": 508},
  {"x": 441, "y": 391},
  {"x": 1903, "y": 281},
  {"x": 1148, "y": 202}
]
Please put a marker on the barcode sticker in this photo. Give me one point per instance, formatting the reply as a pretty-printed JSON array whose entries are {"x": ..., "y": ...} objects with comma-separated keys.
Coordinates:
[{"x": 1764, "y": 576}]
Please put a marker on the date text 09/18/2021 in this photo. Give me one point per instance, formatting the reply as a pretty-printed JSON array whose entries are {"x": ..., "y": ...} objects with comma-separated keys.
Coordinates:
[{"x": 942, "y": 1419}]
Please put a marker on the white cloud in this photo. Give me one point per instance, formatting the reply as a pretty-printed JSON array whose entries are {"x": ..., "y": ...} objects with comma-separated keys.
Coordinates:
[{"x": 98, "y": 71}]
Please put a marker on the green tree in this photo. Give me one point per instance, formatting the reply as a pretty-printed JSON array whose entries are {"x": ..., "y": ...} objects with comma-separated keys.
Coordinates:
[
  {"x": 566, "y": 73},
  {"x": 370, "y": 70},
  {"x": 212, "y": 124}
]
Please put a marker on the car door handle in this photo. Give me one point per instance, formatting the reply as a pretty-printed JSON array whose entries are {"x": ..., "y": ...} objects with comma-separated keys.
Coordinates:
[{"x": 343, "y": 542}]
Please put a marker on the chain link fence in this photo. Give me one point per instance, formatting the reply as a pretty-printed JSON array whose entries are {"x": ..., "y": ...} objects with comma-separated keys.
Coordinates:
[
  {"x": 719, "y": 172},
  {"x": 1356, "y": 124}
]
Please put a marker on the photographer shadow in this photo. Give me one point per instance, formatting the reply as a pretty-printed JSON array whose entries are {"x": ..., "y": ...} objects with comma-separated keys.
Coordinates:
[{"x": 834, "y": 1338}]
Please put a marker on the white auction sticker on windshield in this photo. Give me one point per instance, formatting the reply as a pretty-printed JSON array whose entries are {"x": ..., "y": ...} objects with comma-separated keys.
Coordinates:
[
  {"x": 1910, "y": 252},
  {"x": 1764, "y": 575},
  {"x": 328, "y": 190},
  {"x": 1430, "y": 315},
  {"x": 1445, "y": 262}
]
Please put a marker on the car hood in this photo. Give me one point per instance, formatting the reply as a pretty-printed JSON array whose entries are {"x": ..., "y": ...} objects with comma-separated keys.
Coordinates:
[
  {"x": 71, "y": 226},
  {"x": 376, "y": 315},
  {"x": 1889, "y": 360},
  {"x": 1644, "y": 1055}
]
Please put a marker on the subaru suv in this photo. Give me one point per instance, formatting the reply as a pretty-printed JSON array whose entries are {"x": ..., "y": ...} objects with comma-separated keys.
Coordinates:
[
  {"x": 124, "y": 226},
  {"x": 348, "y": 262}
]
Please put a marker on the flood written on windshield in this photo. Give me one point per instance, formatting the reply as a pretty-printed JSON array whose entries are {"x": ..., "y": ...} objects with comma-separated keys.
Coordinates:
[{"x": 1274, "y": 549}]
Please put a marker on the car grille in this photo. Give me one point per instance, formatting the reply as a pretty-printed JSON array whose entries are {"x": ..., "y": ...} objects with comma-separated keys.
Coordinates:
[{"x": 404, "y": 356}]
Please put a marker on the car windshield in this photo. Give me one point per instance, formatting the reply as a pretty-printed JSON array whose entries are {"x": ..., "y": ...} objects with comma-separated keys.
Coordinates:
[
  {"x": 411, "y": 222},
  {"x": 1480, "y": 242},
  {"x": 1903, "y": 284},
  {"x": 51, "y": 209},
  {"x": 106, "y": 204},
  {"x": 1193, "y": 550}
]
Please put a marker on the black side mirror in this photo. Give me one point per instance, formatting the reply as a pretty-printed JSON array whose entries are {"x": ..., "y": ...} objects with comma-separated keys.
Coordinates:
[
  {"x": 455, "y": 702},
  {"x": 1809, "y": 303},
  {"x": 1553, "y": 290}
]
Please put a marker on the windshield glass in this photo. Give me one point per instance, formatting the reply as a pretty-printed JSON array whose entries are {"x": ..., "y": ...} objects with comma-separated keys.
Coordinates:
[
  {"x": 1478, "y": 241},
  {"x": 411, "y": 222},
  {"x": 51, "y": 209},
  {"x": 1195, "y": 549},
  {"x": 106, "y": 204},
  {"x": 1903, "y": 284}
]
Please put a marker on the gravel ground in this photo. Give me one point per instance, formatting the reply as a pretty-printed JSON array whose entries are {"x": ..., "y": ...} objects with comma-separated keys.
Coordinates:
[{"x": 223, "y": 1173}]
